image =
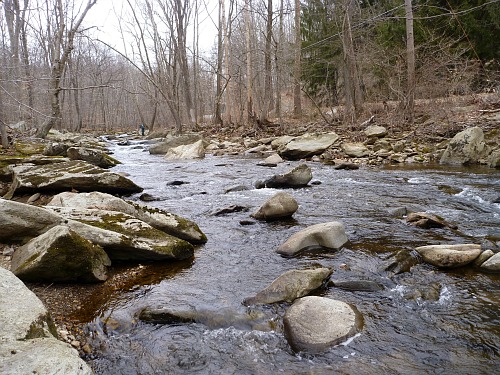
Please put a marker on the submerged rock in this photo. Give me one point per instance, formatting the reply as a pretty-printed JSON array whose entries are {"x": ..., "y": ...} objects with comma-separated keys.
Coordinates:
[
  {"x": 427, "y": 221},
  {"x": 401, "y": 262},
  {"x": 291, "y": 285},
  {"x": 281, "y": 205},
  {"x": 325, "y": 235},
  {"x": 297, "y": 177},
  {"x": 449, "y": 256},
  {"x": 60, "y": 255},
  {"x": 357, "y": 285},
  {"x": 29, "y": 344},
  {"x": 314, "y": 324}
]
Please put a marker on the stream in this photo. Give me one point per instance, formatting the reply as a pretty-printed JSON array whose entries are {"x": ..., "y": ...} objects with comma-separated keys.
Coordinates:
[{"x": 427, "y": 321}]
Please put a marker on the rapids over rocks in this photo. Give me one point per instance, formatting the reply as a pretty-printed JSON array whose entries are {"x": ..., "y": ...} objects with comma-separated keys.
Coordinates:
[{"x": 426, "y": 321}]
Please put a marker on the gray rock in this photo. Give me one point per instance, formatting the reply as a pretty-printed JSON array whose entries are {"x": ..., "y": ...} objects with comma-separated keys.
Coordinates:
[
  {"x": 492, "y": 264},
  {"x": 466, "y": 147},
  {"x": 74, "y": 174},
  {"x": 191, "y": 151},
  {"x": 213, "y": 319},
  {"x": 21, "y": 222},
  {"x": 174, "y": 141},
  {"x": 92, "y": 156},
  {"x": 494, "y": 159},
  {"x": 375, "y": 131},
  {"x": 235, "y": 188},
  {"x": 483, "y": 257},
  {"x": 291, "y": 285},
  {"x": 314, "y": 324},
  {"x": 280, "y": 142},
  {"x": 449, "y": 256},
  {"x": 329, "y": 235},
  {"x": 297, "y": 177},
  {"x": 401, "y": 262},
  {"x": 308, "y": 145},
  {"x": 60, "y": 255},
  {"x": 281, "y": 205},
  {"x": 124, "y": 237},
  {"x": 28, "y": 342},
  {"x": 271, "y": 161},
  {"x": 165, "y": 221},
  {"x": 356, "y": 150}
]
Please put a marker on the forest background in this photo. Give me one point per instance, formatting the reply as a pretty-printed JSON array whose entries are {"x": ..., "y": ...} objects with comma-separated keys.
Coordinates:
[{"x": 272, "y": 61}]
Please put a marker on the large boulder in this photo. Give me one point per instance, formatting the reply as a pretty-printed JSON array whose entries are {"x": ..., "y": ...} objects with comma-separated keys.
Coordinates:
[
  {"x": 466, "y": 147},
  {"x": 494, "y": 159},
  {"x": 174, "y": 141},
  {"x": 329, "y": 235},
  {"x": 314, "y": 324},
  {"x": 308, "y": 145},
  {"x": 129, "y": 238},
  {"x": 92, "y": 156},
  {"x": 60, "y": 255},
  {"x": 297, "y": 177},
  {"x": 192, "y": 151},
  {"x": 449, "y": 256},
  {"x": 28, "y": 343},
  {"x": 291, "y": 285},
  {"x": 280, "y": 205},
  {"x": 167, "y": 222},
  {"x": 74, "y": 174},
  {"x": 355, "y": 150},
  {"x": 21, "y": 222}
]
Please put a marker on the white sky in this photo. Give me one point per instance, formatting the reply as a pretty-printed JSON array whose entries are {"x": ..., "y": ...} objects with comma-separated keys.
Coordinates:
[{"x": 105, "y": 15}]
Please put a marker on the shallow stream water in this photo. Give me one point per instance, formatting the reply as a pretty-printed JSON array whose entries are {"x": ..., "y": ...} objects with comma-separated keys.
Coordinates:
[{"x": 427, "y": 321}]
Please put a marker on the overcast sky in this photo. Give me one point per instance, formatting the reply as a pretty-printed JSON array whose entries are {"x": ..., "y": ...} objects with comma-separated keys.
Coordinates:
[{"x": 105, "y": 15}]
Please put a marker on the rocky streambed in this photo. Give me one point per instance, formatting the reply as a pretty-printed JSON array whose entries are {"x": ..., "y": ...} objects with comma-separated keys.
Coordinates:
[{"x": 237, "y": 303}]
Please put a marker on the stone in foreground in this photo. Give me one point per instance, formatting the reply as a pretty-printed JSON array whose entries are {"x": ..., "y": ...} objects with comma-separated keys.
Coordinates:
[
  {"x": 28, "y": 343},
  {"x": 325, "y": 235},
  {"x": 291, "y": 285},
  {"x": 449, "y": 256},
  {"x": 60, "y": 255},
  {"x": 314, "y": 324},
  {"x": 281, "y": 205},
  {"x": 74, "y": 174}
]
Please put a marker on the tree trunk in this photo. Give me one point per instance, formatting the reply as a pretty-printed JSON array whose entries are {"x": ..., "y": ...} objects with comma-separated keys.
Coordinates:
[
  {"x": 352, "y": 81},
  {"x": 409, "y": 104},
  {"x": 264, "y": 113},
  {"x": 220, "y": 53},
  {"x": 297, "y": 104},
  {"x": 250, "y": 115}
]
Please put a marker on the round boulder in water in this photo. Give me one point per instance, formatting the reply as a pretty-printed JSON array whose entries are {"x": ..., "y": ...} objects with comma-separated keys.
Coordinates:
[{"x": 313, "y": 324}]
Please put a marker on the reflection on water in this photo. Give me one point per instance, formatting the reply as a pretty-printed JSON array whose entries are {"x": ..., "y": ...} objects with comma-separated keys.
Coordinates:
[{"x": 423, "y": 321}]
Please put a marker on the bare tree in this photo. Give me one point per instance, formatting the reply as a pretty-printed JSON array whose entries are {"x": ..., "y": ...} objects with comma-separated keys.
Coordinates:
[
  {"x": 297, "y": 104},
  {"x": 264, "y": 112},
  {"x": 409, "y": 104},
  {"x": 61, "y": 45}
]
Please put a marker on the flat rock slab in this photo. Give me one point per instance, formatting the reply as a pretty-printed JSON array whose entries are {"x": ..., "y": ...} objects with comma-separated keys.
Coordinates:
[
  {"x": 167, "y": 222},
  {"x": 74, "y": 174},
  {"x": 296, "y": 177},
  {"x": 449, "y": 256},
  {"x": 313, "y": 324},
  {"x": 308, "y": 145}
]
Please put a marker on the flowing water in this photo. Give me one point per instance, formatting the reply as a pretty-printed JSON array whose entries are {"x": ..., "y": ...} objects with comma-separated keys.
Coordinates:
[{"x": 423, "y": 322}]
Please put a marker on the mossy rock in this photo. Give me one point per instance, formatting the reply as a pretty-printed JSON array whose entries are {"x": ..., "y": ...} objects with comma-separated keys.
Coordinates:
[{"x": 29, "y": 148}]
